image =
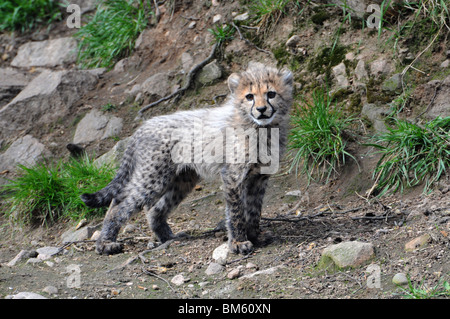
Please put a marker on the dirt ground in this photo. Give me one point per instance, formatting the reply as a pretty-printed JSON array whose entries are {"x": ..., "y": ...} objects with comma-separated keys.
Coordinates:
[
  {"x": 302, "y": 226},
  {"x": 293, "y": 254}
]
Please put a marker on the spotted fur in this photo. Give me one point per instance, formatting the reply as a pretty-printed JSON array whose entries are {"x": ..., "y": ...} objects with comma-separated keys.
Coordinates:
[{"x": 149, "y": 178}]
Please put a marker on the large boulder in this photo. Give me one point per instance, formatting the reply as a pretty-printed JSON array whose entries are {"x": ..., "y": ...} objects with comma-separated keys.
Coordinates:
[
  {"x": 376, "y": 115},
  {"x": 348, "y": 254},
  {"x": 45, "y": 99},
  {"x": 48, "y": 53},
  {"x": 26, "y": 151},
  {"x": 114, "y": 155},
  {"x": 210, "y": 73},
  {"x": 158, "y": 85},
  {"x": 12, "y": 81},
  {"x": 97, "y": 126}
]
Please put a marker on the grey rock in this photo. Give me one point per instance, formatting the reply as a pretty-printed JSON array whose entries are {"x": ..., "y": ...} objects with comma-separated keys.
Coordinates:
[
  {"x": 295, "y": 193},
  {"x": 179, "y": 279},
  {"x": 392, "y": 84},
  {"x": 293, "y": 41},
  {"x": 217, "y": 18},
  {"x": 157, "y": 85},
  {"x": 220, "y": 254},
  {"x": 210, "y": 73},
  {"x": 23, "y": 254},
  {"x": 417, "y": 243},
  {"x": 25, "y": 295},
  {"x": 340, "y": 75},
  {"x": 49, "y": 53},
  {"x": 80, "y": 234},
  {"x": 376, "y": 115},
  {"x": 380, "y": 67},
  {"x": 45, "y": 253},
  {"x": 347, "y": 254},
  {"x": 360, "y": 71},
  {"x": 12, "y": 81},
  {"x": 44, "y": 100},
  {"x": 242, "y": 17},
  {"x": 268, "y": 271},
  {"x": 51, "y": 290},
  {"x": 214, "y": 268},
  {"x": 34, "y": 261},
  {"x": 12, "y": 77},
  {"x": 97, "y": 126},
  {"x": 114, "y": 155},
  {"x": 235, "y": 273},
  {"x": 400, "y": 279},
  {"x": 441, "y": 102},
  {"x": 445, "y": 64},
  {"x": 25, "y": 151}
]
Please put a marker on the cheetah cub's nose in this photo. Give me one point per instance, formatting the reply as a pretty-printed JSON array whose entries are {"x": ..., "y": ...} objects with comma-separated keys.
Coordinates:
[{"x": 261, "y": 109}]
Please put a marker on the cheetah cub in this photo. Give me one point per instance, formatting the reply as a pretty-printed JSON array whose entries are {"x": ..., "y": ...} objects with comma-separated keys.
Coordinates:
[{"x": 241, "y": 141}]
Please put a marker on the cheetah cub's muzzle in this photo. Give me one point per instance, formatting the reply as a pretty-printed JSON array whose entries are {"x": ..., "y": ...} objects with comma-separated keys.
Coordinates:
[{"x": 262, "y": 109}]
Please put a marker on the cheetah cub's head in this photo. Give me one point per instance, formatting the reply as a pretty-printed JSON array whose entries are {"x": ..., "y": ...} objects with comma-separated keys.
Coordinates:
[{"x": 262, "y": 93}]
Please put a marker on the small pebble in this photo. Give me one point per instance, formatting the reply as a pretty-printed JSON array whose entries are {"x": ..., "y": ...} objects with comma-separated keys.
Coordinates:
[
  {"x": 400, "y": 279},
  {"x": 51, "y": 290},
  {"x": 235, "y": 273}
]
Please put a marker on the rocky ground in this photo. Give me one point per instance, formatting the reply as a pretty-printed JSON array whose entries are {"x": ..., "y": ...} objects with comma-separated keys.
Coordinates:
[
  {"x": 381, "y": 240},
  {"x": 329, "y": 241}
]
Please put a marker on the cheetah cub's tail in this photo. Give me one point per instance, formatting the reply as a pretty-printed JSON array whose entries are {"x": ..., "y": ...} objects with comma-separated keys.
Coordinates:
[
  {"x": 104, "y": 196},
  {"x": 98, "y": 199}
]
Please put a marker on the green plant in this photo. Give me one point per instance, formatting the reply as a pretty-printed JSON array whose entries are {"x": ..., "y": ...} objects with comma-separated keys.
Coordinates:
[
  {"x": 111, "y": 33},
  {"x": 419, "y": 291},
  {"x": 267, "y": 12},
  {"x": 435, "y": 10},
  {"x": 23, "y": 15},
  {"x": 108, "y": 107},
  {"x": 316, "y": 140},
  {"x": 425, "y": 19},
  {"x": 222, "y": 33},
  {"x": 412, "y": 154},
  {"x": 49, "y": 191}
]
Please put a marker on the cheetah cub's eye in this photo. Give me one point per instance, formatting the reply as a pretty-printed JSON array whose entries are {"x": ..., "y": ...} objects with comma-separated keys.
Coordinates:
[
  {"x": 271, "y": 94},
  {"x": 249, "y": 97}
]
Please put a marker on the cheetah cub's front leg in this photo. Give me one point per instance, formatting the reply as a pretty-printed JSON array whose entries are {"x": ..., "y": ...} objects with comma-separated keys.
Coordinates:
[{"x": 233, "y": 181}]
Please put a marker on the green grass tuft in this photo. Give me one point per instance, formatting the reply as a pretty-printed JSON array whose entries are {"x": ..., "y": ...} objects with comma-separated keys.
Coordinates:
[
  {"x": 317, "y": 137},
  {"x": 24, "y": 15},
  {"x": 48, "y": 191},
  {"x": 420, "y": 291},
  {"x": 222, "y": 33},
  {"x": 412, "y": 154},
  {"x": 267, "y": 13},
  {"x": 111, "y": 34}
]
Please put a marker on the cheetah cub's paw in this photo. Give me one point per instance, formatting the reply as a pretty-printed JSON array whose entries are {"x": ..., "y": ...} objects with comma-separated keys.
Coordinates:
[
  {"x": 242, "y": 247},
  {"x": 108, "y": 248}
]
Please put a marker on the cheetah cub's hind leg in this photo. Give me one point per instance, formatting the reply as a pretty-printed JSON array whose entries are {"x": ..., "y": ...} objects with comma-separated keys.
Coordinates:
[
  {"x": 157, "y": 215},
  {"x": 137, "y": 194},
  {"x": 117, "y": 214}
]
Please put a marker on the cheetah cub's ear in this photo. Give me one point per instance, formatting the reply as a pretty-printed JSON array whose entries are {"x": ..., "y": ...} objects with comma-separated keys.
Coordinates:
[
  {"x": 233, "y": 82},
  {"x": 287, "y": 77}
]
